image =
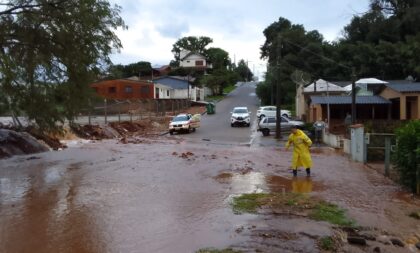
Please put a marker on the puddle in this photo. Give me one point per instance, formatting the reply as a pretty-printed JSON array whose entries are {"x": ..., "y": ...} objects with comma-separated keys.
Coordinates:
[{"x": 259, "y": 182}]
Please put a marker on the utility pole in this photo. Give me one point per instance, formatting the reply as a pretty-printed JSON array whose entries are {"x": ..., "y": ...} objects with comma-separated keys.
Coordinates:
[
  {"x": 278, "y": 93},
  {"x": 353, "y": 97}
]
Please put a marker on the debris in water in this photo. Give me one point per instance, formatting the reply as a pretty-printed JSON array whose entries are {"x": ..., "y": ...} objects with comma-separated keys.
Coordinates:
[
  {"x": 356, "y": 240},
  {"x": 397, "y": 242}
]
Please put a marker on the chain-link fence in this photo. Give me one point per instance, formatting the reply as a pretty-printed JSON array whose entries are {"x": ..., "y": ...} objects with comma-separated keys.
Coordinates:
[{"x": 131, "y": 110}]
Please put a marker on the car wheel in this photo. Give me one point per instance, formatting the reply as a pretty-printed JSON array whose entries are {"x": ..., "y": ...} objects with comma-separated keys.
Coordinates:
[
  {"x": 248, "y": 124},
  {"x": 231, "y": 124},
  {"x": 285, "y": 115},
  {"x": 265, "y": 132},
  {"x": 171, "y": 132},
  {"x": 193, "y": 129},
  {"x": 262, "y": 116}
]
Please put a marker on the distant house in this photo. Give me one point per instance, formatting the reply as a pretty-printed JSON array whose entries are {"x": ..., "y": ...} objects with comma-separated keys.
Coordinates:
[
  {"x": 194, "y": 60},
  {"x": 161, "y": 71},
  {"x": 180, "y": 86},
  {"x": 319, "y": 87},
  {"x": 124, "y": 89},
  {"x": 405, "y": 98}
]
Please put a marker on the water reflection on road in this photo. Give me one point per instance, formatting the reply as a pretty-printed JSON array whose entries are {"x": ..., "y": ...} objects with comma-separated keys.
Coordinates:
[{"x": 259, "y": 182}]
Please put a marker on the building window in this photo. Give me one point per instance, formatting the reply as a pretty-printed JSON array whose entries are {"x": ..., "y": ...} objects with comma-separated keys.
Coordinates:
[
  {"x": 112, "y": 90},
  {"x": 167, "y": 93},
  {"x": 128, "y": 89},
  {"x": 144, "y": 90},
  {"x": 199, "y": 63}
]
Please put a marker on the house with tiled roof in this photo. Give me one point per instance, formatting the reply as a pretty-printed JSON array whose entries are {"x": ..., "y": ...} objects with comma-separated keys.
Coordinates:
[
  {"x": 405, "y": 99},
  {"x": 319, "y": 87},
  {"x": 375, "y": 100}
]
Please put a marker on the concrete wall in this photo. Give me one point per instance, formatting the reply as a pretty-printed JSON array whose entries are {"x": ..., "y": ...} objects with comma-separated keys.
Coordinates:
[
  {"x": 346, "y": 146},
  {"x": 332, "y": 140}
]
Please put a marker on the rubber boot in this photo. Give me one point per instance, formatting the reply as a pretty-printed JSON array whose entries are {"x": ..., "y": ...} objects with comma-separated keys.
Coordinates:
[
  {"x": 295, "y": 173},
  {"x": 308, "y": 172}
]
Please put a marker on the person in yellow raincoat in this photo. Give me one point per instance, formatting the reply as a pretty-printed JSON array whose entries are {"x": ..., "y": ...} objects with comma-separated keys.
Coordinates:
[{"x": 301, "y": 156}]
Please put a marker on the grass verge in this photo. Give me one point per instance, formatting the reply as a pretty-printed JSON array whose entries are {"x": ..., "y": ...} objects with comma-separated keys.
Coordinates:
[
  {"x": 214, "y": 98},
  {"x": 327, "y": 243},
  {"x": 248, "y": 203},
  {"x": 291, "y": 203},
  {"x": 212, "y": 250},
  {"x": 228, "y": 89},
  {"x": 331, "y": 213}
]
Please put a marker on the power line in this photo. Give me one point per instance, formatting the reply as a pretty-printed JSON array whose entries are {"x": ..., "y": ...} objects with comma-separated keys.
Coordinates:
[{"x": 316, "y": 54}]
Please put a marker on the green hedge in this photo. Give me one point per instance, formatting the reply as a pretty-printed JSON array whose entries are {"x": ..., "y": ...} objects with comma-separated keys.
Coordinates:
[{"x": 407, "y": 155}]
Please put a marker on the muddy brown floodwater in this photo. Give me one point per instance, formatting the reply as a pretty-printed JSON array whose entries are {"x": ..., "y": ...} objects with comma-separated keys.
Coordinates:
[{"x": 173, "y": 196}]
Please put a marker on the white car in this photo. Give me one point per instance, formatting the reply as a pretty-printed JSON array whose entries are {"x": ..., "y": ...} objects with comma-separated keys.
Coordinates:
[
  {"x": 184, "y": 123},
  {"x": 240, "y": 115},
  {"x": 270, "y": 111}
]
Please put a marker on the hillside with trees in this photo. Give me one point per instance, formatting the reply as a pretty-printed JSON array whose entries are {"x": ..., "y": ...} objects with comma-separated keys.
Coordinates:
[{"x": 384, "y": 43}]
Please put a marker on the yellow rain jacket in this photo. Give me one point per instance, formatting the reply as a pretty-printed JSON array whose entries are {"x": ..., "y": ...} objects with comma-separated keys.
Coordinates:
[{"x": 301, "y": 143}]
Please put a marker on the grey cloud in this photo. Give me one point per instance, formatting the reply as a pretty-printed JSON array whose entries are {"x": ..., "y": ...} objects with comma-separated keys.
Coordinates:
[{"x": 173, "y": 30}]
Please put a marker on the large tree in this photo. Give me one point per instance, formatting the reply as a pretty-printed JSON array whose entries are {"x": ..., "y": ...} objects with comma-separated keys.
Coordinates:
[
  {"x": 190, "y": 43},
  {"x": 142, "y": 68},
  {"x": 218, "y": 57},
  {"x": 50, "y": 50},
  {"x": 243, "y": 71},
  {"x": 289, "y": 47}
]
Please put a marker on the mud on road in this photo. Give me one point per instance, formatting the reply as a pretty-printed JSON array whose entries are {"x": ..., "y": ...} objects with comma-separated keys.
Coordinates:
[{"x": 169, "y": 195}]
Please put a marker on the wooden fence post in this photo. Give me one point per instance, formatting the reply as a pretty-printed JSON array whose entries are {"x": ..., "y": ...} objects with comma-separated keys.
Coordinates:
[{"x": 105, "y": 111}]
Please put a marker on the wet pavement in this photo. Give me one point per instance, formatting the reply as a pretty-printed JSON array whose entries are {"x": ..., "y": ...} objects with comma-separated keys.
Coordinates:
[{"x": 173, "y": 196}]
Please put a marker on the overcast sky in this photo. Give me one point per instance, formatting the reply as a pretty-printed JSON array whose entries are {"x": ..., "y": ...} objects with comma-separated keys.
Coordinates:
[{"x": 235, "y": 25}]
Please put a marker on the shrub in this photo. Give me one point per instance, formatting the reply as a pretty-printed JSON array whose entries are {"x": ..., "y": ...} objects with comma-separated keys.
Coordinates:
[{"x": 407, "y": 155}]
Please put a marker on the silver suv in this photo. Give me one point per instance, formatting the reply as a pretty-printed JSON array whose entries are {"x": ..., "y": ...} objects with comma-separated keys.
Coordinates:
[
  {"x": 268, "y": 124},
  {"x": 240, "y": 115}
]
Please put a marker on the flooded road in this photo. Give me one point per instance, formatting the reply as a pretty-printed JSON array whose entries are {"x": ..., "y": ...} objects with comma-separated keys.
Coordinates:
[{"x": 172, "y": 196}]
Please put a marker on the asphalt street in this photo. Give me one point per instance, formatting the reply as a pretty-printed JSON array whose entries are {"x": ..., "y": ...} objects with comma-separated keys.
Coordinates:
[{"x": 216, "y": 127}]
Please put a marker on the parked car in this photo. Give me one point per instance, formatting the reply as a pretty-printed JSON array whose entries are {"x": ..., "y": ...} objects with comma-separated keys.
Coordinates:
[
  {"x": 270, "y": 111},
  {"x": 240, "y": 116},
  {"x": 268, "y": 124},
  {"x": 184, "y": 123}
]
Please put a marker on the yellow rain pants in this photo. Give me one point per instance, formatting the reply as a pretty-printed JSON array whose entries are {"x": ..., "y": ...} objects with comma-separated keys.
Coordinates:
[{"x": 301, "y": 143}]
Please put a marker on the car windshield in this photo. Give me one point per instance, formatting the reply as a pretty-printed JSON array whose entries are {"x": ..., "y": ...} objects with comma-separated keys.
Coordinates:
[
  {"x": 180, "y": 118},
  {"x": 240, "y": 111}
]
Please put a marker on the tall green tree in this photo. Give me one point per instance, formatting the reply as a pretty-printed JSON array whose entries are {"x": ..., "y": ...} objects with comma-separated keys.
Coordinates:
[
  {"x": 245, "y": 74},
  {"x": 190, "y": 43},
  {"x": 50, "y": 50},
  {"x": 289, "y": 47},
  {"x": 219, "y": 58},
  {"x": 141, "y": 68}
]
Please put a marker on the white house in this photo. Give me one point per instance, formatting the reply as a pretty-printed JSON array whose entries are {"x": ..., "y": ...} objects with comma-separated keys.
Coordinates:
[
  {"x": 162, "y": 91},
  {"x": 190, "y": 59},
  {"x": 181, "y": 88}
]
